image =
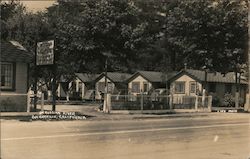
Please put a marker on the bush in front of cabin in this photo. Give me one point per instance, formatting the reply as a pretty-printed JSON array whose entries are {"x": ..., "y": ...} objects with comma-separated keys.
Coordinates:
[
  {"x": 241, "y": 102},
  {"x": 229, "y": 100},
  {"x": 216, "y": 101}
]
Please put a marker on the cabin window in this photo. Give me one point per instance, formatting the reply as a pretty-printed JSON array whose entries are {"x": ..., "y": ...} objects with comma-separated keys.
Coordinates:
[
  {"x": 212, "y": 88},
  {"x": 73, "y": 86},
  {"x": 228, "y": 88},
  {"x": 192, "y": 87},
  {"x": 7, "y": 76},
  {"x": 110, "y": 87},
  {"x": 136, "y": 87},
  {"x": 180, "y": 87},
  {"x": 101, "y": 87},
  {"x": 145, "y": 87},
  {"x": 80, "y": 87}
]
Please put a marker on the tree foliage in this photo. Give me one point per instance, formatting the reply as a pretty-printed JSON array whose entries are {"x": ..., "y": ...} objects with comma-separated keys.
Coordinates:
[
  {"x": 86, "y": 31},
  {"x": 8, "y": 10},
  {"x": 207, "y": 32},
  {"x": 146, "y": 35}
]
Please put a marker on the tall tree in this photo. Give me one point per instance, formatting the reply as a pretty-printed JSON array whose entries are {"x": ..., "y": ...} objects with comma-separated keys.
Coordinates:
[
  {"x": 8, "y": 10},
  {"x": 30, "y": 28},
  {"x": 207, "y": 32},
  {"x": 153, "y": 57},
  {"x": 87, "y": 30}
]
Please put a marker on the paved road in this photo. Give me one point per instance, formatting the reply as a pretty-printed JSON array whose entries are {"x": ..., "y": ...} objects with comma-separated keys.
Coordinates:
[{"x": 222, "y": 137}]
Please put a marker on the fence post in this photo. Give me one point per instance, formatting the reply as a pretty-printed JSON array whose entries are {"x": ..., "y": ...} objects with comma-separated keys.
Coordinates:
[
  {"x": 108, "y": 102},
  {"x": 141, "y": 102},
  {"x": 247, "y": 103},
  {"x": 105, "y": 109},
  {"x": 170, "y": 101},
  {"x": 209, "y": 102},
  {"x": 42, "y": 101},
  {"x": 67, "y": 96},
  {"x": 203, "y": 98},
  {"x": 237, "y": 100},
  {"x": 104, "y": 103},
  {"x": 28, "y": 101},
  {"x": 196, "y": 102}
]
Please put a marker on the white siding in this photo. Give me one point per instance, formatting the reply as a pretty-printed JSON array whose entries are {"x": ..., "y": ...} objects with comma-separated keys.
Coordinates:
[
  {"x": 21, "y": 77},
  {"x": 19, "y": 96},
  {"x": 187, "y": 81},
  {"x": 142, "y": 81},
  {"x": 102, "y": 80}
]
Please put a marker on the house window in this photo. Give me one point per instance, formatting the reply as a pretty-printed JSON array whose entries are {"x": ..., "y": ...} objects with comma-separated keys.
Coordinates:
[
  {"x": 179, "y": 87},
  {"x": 192, "y": 87},
  {"x": 101, "y": 86},
  {"x": 7, "y": 76},
  {"x": 212, "y": 88},
  {"x": 80, "y": 87},
  {"x": 136, "y": 87},
  {"x": 73, "y": 86},
  {"x": 110, "y": 87},
  {"x": 228, "y": 88},
  {"x": 145, "y": 87}
]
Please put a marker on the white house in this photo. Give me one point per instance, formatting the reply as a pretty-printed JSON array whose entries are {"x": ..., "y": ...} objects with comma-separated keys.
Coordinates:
[
  {"x": 146, "y": 81},
  {"x": 116, "y": 83},
  {"x": 78, "y": 87},
  {"x": 14, "y": 80},
  {"x": 190, "y": 82}
]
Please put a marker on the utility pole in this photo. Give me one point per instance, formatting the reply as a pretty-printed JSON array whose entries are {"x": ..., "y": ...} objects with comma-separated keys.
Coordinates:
[
  {"x": 35, "y": 83},
  {"x": 205, "y": 87},
  {"x": 54, "y": 87},
  {"x": 105, "y": 108}
]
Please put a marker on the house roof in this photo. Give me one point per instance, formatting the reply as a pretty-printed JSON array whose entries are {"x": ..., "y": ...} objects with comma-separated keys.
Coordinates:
[
  {"x": 153, "y": 76},
  {"x": 86, "y": 77},
  {"x": 13, "y": 51},
  {"x": 211, "y": 76},
  {"x": 115, "y": 76},
  {"x": 65, "y": 78}
]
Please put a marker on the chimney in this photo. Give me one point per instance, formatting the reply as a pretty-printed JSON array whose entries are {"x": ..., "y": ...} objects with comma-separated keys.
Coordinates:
[{"x": 185, "y": 66}]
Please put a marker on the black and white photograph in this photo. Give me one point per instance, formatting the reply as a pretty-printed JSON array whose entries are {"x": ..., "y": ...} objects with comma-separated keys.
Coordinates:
[{"x": 125, "y": 79}]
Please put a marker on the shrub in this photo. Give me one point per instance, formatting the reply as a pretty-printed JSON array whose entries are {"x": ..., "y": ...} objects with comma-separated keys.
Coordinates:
[
  {"x": 228, "y": 100},
  {"x": 216, "y": 101}
]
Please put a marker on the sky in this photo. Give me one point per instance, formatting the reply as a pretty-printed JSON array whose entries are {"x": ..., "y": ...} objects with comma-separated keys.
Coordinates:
[{"x": 37, "y": 5}]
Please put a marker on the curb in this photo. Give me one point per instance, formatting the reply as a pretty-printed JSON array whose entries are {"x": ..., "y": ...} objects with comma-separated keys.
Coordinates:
[
  {"x": 27, "y": 117},
  {"x": 14, "y": 114},
  {"x": 24, "y": 116}
]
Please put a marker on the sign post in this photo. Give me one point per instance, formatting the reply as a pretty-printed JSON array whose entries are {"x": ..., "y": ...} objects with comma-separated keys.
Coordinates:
[{"x": 45, "y": 56}]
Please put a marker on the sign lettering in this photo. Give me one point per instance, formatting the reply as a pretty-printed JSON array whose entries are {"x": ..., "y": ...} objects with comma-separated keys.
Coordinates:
[{"x": 45, "y": 53}]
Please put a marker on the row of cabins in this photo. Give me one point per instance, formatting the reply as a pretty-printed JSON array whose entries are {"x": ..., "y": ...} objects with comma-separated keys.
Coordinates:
[
  {"x": 117, "y": 83},
  {"x": 14, "y": 81},
  {"x": 187, "y": 82}
]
